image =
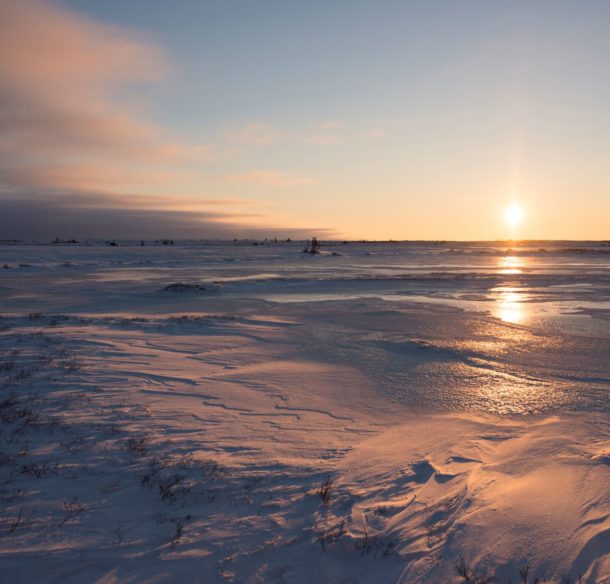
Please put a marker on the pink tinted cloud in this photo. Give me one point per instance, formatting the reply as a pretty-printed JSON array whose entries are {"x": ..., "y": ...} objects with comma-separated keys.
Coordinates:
[
  {"x": 91, "y": 176},
  {"x": 60, "y": 74},
  {"x": 45, "y": 45}
]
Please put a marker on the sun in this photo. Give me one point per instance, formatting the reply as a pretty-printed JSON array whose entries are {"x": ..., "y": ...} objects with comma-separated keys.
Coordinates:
[{"x": 513, "y": 215}]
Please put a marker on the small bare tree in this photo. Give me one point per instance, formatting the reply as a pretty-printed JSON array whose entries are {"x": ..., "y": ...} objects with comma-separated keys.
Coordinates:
[{"x": 312, "y": 246}]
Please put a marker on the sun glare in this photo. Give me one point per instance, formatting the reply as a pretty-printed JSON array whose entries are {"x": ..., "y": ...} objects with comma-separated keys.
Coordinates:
[{"x": 513, "y": 215}]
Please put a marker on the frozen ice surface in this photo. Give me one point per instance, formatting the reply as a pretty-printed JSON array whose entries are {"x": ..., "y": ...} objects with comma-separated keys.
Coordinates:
[{"x": 224, "y": 412}]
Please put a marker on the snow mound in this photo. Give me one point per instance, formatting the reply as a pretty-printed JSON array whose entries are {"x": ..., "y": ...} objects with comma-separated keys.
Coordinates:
[{"x": 184, "y": 288}]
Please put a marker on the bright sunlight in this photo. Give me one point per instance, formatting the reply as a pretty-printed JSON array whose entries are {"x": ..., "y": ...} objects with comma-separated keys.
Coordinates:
[{"x": 513, "y": 215}]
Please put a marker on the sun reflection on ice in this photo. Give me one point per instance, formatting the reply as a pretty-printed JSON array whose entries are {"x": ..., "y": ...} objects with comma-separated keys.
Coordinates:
[
  {"x": 511, "y": 265},
  {"x": 510, "y": 306}
]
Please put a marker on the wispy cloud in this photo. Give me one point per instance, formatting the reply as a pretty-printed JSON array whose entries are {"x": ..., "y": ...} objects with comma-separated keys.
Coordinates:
[
  {"x": 336, "y": 132},
  {"x": 269, "y": 178},
  {"x": 328, "y": 139},
  {"x": 253, "y": 134}
]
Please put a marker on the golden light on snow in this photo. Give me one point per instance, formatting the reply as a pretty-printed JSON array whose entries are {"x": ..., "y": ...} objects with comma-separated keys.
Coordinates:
[{"x": 513, "y": 215}]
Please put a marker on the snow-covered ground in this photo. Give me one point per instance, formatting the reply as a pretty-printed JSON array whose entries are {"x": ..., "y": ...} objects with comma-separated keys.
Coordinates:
[{"x": 393, "y": 413}]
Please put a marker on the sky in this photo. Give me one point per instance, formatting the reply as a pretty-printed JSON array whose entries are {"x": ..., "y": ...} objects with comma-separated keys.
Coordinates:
[{"x": 376, "y": 120}]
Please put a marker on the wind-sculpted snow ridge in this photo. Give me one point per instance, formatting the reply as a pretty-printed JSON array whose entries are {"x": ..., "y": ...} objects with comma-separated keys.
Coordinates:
[
  {"x": 213, "y": 450},
  {"x": 503, "y": 496}
]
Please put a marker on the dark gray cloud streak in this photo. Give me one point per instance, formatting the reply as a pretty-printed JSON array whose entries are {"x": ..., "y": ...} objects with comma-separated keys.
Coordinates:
[{"x": 26, "y": 216}]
